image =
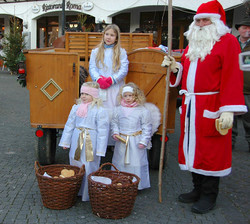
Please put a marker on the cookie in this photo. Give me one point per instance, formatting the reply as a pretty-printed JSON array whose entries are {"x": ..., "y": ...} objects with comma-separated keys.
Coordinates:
[{"x": 67, "y": 173}]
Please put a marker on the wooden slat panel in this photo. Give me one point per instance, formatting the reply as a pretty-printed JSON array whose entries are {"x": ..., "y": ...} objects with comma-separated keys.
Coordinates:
[
  {"x": 145, "y": 70},
  {"x": 77, "y": 39},
  {"x": 152, "y": 68},
  {"x": 84, "y": 42},
  {"x": 41, "y": 67},
  {"x": 60, "y": 50},
  {"x": 67, "y": 42}
]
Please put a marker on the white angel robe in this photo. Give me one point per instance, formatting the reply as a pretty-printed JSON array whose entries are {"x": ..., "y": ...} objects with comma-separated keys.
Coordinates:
[
  {"x": 97, "y": 122},
  {"x": 127, "y": 121},
  {"x": 109, "y": 95}
]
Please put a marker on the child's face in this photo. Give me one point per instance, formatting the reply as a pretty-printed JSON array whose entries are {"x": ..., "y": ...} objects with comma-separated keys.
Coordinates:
[
  {"x": 128, "y": 97},
  {"x": 86, "y": 98},
  {"x": 109, "y": 37}
]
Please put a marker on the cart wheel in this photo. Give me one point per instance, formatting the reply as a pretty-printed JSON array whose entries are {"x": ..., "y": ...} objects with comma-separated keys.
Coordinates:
[
  {"x": 46, "y": 147},
  {"x": 155, "y": 152}
]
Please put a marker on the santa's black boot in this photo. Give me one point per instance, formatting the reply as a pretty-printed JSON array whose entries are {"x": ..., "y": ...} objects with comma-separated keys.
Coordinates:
[
  {"x": 194, "y": 195},
  {"x": 209, "y": 192}
]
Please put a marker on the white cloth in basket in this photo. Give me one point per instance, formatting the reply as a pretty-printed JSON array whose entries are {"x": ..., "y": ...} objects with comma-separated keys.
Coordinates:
[
  {"x": 103, "y": 180},
  {"x": 47, "y": 175}
]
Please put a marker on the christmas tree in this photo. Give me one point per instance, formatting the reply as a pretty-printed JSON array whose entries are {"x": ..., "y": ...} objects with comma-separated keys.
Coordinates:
[{"x": 12, "y": 46}]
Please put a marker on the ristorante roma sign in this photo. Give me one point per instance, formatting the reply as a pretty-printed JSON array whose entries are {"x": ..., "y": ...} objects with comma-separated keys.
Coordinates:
[{"x": 68, "y": 5}]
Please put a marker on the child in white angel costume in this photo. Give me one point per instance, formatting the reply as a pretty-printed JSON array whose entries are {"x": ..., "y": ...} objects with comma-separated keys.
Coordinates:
[
  {"x": 108, "y": 66},
  {"x": 86, "y": 133},
  {"x": 132, "y": 128}
]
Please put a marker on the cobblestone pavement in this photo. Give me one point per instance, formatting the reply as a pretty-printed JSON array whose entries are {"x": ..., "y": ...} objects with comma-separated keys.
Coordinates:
[{"x": 21, "y": 200}]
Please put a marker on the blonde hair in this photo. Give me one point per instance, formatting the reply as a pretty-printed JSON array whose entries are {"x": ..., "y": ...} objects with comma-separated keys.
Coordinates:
[
  {"x": 96, "y": 101},
  {"x": 137, "y": 92},
  {"x": 116, "y": 50}
]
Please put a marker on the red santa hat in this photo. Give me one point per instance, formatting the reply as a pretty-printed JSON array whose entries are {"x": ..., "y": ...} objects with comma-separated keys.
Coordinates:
[{"x": 211, "y": 9}]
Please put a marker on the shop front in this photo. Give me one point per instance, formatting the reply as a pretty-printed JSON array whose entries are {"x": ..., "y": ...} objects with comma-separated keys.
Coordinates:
[
  {"x": 48, "y": 27},
  {"x": 42, "y": 20}
]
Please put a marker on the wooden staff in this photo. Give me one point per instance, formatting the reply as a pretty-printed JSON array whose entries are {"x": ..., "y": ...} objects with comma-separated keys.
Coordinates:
[{"x": 166, "y": 101}]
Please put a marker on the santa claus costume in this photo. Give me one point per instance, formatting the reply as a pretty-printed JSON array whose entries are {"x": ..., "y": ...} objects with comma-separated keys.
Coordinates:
[{"x": 211, "y": 84}]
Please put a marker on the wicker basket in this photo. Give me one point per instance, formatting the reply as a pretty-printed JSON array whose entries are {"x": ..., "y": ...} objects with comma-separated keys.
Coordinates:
[
  {"x": 115, "y": 200},
  {"x": 58, "y": 193}
]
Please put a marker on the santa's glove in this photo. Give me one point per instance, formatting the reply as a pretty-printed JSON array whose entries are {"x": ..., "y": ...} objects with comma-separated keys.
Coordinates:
[
  {"x": 226, "y": 119},
  {"x": 170, "y": 61},
  {"x": 102, "y": 82}
]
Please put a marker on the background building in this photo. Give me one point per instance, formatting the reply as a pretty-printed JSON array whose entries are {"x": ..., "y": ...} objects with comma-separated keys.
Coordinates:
[{"x": 42, "y": 20}]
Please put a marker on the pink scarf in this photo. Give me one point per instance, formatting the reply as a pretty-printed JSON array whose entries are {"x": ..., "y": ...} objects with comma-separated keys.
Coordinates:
[
  {"x": 124, "y": 104},
  {"x": 82, "y": 110}
]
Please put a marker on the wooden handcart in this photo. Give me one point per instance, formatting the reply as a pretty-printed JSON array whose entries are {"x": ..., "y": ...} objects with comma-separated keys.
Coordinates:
[{"x": 53, "y": 83}]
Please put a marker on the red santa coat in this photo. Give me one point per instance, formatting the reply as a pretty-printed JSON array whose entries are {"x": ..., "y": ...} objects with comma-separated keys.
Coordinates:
[{"x": 209, "y": 88}]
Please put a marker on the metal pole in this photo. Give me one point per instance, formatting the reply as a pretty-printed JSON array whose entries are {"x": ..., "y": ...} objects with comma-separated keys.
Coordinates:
[{"x": 63, "y": 16}]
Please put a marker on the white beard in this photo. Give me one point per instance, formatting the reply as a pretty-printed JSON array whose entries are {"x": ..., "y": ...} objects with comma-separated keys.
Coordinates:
[{"x": 202, "y": 39}]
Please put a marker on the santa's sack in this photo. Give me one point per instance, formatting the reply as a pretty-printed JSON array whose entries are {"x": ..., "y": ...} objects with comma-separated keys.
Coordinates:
[
  {"x": 58, "y": 192},
  {"x": 112, "y": 193}
]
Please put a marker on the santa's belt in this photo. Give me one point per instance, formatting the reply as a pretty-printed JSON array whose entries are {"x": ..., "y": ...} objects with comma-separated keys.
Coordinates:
[
  {"x": 188, "y": 95},
  {"x": 88, "y": 145},
  {"x": 126, "y": 160},
  {"x": 188, "y": 98}
]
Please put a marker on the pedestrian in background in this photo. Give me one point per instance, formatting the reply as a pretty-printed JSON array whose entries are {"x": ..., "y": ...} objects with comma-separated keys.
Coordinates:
[
  {"x": 243, "y": 28},
  {"x": 1, "y": 52},
  {"x": 1, "y": 41},
  {"x": 212, "y": 84}
]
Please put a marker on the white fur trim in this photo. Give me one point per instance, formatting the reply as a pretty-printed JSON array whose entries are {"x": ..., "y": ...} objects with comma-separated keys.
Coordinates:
[
  {"x": 210, "y": 114},
  {"x": 191, "y": 75},
  {"x": 237, "y": 109},
  {"x": 189, "y": 143},
  {"x": 192, "y": 133},
  {"x": 206, "y": 15},
  {"x": 179, "y": 76},
  {"x": 155, "y": 116},
  {"x": 219, "y": 173}
]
